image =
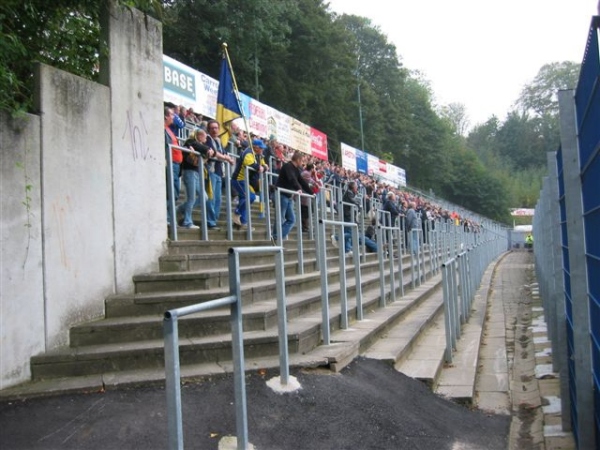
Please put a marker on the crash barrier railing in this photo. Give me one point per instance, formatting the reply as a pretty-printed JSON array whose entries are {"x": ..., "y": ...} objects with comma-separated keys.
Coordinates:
[
  {"x": 248, "y": 192},
  {"x": 322, "y": 261},
  {"x": 268, "y": 180},
  {"x": 461, "y": 276},
  {"x": 325, "y": 203},
  {"x": 386, "y": 236},
  {"x": 171, "y": 340},
  {"x": 434, "y": 246},
  {"x": 359, "y": 219},
  {"x": 450, "y": 292},
  {"x": 279, "y": 219},
  {"x": 417, "y": 259}
]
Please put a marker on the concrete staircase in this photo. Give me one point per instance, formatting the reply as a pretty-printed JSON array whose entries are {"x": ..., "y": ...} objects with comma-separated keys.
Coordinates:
[{"x": 125, "y": 348}]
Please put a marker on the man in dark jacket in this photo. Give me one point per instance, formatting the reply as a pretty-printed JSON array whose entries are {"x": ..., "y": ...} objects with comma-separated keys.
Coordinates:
[
  {"x": 290, "y": 178},
  {"x": 391, "y": 205}
]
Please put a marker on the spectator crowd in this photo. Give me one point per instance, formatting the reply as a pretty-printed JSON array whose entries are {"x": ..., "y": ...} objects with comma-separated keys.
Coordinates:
[{"x": 297, "y": 172}]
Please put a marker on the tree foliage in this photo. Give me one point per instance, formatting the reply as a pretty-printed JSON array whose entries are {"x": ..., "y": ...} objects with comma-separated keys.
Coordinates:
[
  {"x": 457, "y": 117},
  {"x": 61, "y": 33},
  {"x": 540, "y": 96}
]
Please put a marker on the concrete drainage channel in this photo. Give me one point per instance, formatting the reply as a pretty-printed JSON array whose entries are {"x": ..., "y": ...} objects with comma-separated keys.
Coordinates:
[{"x": 534, "y": 388}]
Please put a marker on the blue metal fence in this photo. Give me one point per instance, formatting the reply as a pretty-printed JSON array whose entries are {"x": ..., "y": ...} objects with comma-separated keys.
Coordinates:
[
  {"x": 571, "y": 195},
  {"x": 587, "y": 106}
]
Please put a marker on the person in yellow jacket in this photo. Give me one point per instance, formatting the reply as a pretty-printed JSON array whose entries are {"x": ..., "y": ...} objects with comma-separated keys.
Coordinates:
[
  {"x": 529, "y": 241},
  {"x": 251, "y": 157}
]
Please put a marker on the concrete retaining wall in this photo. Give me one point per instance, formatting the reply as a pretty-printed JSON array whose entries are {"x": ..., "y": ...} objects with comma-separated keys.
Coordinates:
[
  {"x": 83, "y": 193},
  {"x": 21, "y": 266}
]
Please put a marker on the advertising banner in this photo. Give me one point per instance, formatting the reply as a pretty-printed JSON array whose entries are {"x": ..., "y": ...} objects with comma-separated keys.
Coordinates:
[
  {"x": 372, "y": 165},
  {"x": 348, "y": 157},
  {"x": 300, "y": 134},
  {"x": 401, "y": 177},
  {"x": 361, "y": 161},
  {"x": 258, "y": 118},
  {"x": 185, "y": 86},
  {"x": 318, "y": 144}
]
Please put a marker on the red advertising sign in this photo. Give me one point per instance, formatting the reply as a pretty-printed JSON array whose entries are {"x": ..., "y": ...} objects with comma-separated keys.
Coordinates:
[{"x": 318, "y": 142}]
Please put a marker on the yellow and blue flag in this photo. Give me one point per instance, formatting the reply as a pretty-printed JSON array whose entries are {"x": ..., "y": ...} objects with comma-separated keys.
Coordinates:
[{"x": 228, "y": 107}]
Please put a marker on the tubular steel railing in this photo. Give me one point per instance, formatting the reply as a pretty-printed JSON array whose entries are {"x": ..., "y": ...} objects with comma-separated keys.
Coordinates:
[
  {"x": 298, "y": 220},
  {"x": 234, "y": 300}
]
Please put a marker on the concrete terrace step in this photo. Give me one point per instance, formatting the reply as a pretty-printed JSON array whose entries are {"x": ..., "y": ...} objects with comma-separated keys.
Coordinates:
[
  {"x": 217, "y": 278},
  {"x": 398, "y": 340},
  {"x": 156, "y": 376},
  {"x": 304, "y": 327},
  {"x": 149, "y": 303},
  {"x": 148, "y": 354},
  {"x": 426, "y": 361},
  {"x": 155, "y": 303},
  {"x": 334, "y": 356},
  {"x": 185, "y": 258}
]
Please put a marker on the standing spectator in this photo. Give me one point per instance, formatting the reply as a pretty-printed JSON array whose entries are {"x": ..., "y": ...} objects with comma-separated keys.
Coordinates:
[
  {"x": 251, "y": 157},
  {"x": 350, "y": 203},
  {"x": 390, "y": 205},
  {"x": 215, "y": 170},
  {"x": 192, "y": 117},
  {"x": 177, "y": 157},
  {"x": 310, "y": 176},
  {"x": 177, "y": 123},
  {"x": 290, "y": 178},
  {"x": 279, "y": 157},
  {"x": 412, "y": 223},
  {"x": 191, "y": 179}
]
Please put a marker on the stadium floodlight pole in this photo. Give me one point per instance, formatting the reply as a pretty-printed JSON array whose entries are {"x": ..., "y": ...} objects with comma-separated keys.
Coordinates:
[{"x": 360, "y": 118}]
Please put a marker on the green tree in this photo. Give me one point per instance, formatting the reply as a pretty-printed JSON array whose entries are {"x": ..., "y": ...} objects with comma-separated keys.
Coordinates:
[
  {"x": 473, "y": 186},
  {"x": 316, "y": 80},
  {"x": 540, "y": 96},
  {"x": 424, "y": 145},
  {"x": 457, "y": 117},
  {"x": 482, "y": 140},
  {"x": 61, "y": 33},
  {"x": 523, "y": 141},
  {"x": 382, "y": 79},
  {"x": 254, "y": 30}
]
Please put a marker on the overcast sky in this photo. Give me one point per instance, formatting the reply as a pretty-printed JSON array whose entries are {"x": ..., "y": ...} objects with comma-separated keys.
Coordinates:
[{"x": 479, "y": 52}]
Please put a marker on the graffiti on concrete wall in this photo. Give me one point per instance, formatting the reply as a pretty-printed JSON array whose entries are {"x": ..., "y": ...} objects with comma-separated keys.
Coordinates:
[{"x": 137, "y": 134}]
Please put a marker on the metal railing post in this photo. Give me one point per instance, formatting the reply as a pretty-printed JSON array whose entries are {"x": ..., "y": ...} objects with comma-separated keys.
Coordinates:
[
  {"x": 171, "y": 195},
  {"x": 237, "y": 341},
  {"x": 322, "y": 252}
]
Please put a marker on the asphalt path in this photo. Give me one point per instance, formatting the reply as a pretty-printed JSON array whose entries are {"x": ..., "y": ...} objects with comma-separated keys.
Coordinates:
[{"x": 368, "y": 405}]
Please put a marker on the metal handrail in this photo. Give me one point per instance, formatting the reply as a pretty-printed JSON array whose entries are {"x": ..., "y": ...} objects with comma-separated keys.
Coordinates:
[
  {"x": 234, "y": 300},
  {"x": 278, "y": 220},
  {"x": 322, "y": 255}
]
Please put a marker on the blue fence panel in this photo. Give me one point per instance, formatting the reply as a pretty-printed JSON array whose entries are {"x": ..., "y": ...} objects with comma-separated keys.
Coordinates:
[
  {"x": 587, "y": 104},
  {"x": 567, "y": 292}
]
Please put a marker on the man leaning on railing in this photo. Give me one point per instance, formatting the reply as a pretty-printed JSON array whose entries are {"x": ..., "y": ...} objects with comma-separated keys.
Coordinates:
[{"x": 290, "y": 178}]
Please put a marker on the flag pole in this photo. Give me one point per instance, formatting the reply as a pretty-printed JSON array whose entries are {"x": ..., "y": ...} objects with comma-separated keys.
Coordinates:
[
  {"x": 237, "y": 97},
  {"x": 236, "y": 92}
]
